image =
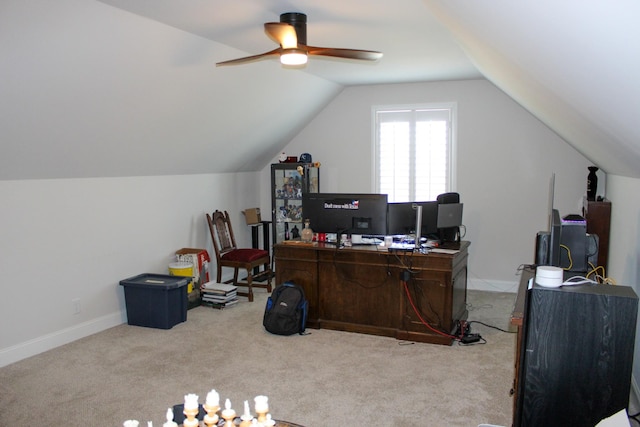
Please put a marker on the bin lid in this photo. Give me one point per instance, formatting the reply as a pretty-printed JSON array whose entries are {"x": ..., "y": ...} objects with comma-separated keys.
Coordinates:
[
  {"x": 181, "y": 264},
  {"x": 150, "y": 280}
]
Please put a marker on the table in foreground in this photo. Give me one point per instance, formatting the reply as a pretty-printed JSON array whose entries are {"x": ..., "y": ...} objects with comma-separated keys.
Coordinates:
[{"x": 367, "y": 289}]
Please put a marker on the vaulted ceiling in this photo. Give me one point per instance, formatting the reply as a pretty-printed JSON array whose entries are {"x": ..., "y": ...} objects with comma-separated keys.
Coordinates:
[{"x": 129, "y": 87}]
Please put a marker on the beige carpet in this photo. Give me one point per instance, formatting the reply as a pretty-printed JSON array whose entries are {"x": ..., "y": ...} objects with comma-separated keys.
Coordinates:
[{"x": 322, "y": 379}]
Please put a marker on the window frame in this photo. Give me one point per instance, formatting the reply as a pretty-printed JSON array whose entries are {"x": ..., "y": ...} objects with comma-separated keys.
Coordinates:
[{"x": 452, "y": 107}]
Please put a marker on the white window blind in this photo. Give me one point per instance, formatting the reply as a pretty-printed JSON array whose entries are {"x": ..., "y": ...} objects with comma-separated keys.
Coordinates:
[{"x": 413, "y": 152}]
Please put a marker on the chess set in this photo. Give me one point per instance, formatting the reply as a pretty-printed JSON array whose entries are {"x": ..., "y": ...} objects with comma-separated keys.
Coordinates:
[{"x": 214, "y": 415}]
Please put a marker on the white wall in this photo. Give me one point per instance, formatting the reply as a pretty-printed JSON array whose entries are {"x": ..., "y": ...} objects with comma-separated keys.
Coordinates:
[
  {"x": 624, "y": 246},
  {"x": 90, "y": 90},
  {"x": 77, "y": 238},
  {"x": 505, "y": 160}
]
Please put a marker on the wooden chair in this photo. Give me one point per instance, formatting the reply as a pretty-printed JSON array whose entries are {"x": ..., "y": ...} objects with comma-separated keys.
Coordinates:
[{"x": 229, "y": 255}]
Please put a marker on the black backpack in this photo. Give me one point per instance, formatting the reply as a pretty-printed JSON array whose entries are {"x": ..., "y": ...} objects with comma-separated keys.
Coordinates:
[{"x": 286, "y": 310}]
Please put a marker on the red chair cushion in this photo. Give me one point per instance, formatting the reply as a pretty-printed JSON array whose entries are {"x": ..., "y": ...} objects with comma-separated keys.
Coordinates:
[{"x": 245, "y": 255}]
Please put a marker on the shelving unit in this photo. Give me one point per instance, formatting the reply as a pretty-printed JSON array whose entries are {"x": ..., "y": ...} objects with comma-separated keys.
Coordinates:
[{"x": 289, "y": 182}]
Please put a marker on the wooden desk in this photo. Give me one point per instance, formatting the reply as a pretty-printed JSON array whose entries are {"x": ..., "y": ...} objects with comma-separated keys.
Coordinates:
[{"x": 363, "y": 289}]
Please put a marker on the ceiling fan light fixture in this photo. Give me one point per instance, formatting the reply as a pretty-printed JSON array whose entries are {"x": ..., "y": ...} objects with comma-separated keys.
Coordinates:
[
  {"x": 291, "y": 35},
  {"x": 293, "y": 56}
]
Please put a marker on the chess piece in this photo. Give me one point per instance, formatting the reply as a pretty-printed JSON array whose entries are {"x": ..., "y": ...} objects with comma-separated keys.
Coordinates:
[
  {"x": 269, "y": 422},
  {"x": 170, "y": 422},
  {"x": 261, "y": 408},
  {"x": 212, "y": 406},
  {"x": 228, "y": 414},
  {"x": 191, "y": 409},
  {"x": 246, "y": 418}
]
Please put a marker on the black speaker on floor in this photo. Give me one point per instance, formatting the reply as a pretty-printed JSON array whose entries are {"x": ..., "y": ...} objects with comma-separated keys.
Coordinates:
[
  {"x": 577, "y": 358},
  {"x": 573, "y": 256},
  {"x": 543, "y": 240}
]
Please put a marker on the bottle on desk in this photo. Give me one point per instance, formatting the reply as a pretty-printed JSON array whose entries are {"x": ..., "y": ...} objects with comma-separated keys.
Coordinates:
[{"x": 307, "y": 232}]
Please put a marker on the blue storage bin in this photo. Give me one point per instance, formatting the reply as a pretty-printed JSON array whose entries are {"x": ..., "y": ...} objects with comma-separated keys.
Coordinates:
[{"x": 156, "y": 300}]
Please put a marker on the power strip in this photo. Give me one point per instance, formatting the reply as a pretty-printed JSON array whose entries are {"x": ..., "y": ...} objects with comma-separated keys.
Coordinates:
[{"x": 470, "y": 339}]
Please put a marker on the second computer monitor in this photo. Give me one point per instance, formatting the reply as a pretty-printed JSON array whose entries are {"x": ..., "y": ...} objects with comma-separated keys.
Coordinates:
[{"x": 401, "y": 218}]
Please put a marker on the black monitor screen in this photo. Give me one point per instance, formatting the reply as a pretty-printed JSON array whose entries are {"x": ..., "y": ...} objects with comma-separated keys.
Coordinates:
[
  {"x": 401, "y": 218},
  {"x": 351, "y": 213}
]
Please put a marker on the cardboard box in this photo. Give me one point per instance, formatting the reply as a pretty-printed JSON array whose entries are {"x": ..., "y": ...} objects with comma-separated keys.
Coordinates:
[
  {"x": 252, "y": 216},
  {"x": 200, "y": 260}
]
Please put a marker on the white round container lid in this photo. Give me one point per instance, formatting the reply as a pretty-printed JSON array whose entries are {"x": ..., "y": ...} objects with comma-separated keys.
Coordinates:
[{"x": 549, "y": 277}]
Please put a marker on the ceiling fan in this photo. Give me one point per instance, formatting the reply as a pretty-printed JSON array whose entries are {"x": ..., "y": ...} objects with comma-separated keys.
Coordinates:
[{"x": 291, "y": 34}]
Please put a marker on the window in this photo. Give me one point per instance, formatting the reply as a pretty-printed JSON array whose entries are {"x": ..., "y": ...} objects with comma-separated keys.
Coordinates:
[{"x": 414, "y": 149}]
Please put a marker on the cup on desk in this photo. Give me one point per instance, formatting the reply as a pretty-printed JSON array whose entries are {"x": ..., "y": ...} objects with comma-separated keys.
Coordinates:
[{"x": 388, "y": 240}]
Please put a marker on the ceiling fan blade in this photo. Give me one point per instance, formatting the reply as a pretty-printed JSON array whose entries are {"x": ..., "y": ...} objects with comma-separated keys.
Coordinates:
[
  {"x": 274, "y": 52},
  {"x": 367, "y": 55},
  {"x": 282, "y": 33}
]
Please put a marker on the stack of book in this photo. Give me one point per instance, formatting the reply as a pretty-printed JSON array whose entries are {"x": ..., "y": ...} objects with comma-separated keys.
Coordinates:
[{"x": 219, "y": 295}]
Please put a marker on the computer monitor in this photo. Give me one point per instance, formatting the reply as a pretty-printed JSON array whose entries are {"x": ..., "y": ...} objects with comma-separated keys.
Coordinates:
[
  {"x": 449, "y": 215},
  {"x": 401, "y": 218},
  {"x": 548, "y": 245},
  {"x": 554, "y": 242},
  {"x": 348, "y": 213}
]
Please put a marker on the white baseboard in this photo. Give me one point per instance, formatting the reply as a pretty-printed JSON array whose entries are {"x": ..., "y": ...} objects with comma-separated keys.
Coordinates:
[
  {"x": 475, "y": 284},
  {"x": 55, "y": 339},
  {"x": 23, "y": 350}
]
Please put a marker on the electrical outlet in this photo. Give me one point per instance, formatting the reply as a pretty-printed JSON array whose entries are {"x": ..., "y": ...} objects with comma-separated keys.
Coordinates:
[{"x": 77, "y": 308}]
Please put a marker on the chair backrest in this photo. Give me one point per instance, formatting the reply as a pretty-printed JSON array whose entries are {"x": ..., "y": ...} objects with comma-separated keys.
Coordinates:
[
  {"x": 448, "y": 198},
  {"x": 221, "y": 233}
]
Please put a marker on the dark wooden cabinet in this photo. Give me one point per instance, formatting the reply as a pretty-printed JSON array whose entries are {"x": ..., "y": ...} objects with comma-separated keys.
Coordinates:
[
  {"x": 369, "y": 290},
  {"x": 598, "y": 216},
  {"x": 575, "y": 354}
]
